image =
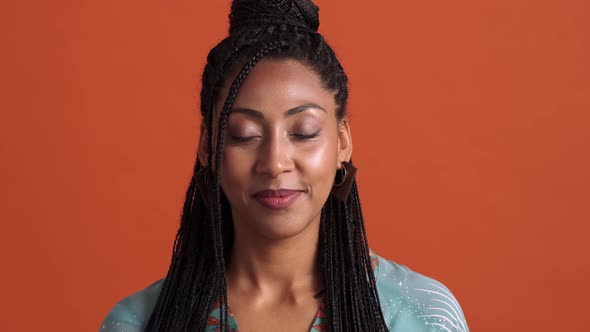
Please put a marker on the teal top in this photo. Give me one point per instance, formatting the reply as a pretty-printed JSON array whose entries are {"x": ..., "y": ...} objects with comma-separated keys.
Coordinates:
[{"x": 410, "y": 302}]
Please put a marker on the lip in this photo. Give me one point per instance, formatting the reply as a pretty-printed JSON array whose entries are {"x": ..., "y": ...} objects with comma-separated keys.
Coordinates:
[{"x": 277, "y": 199}]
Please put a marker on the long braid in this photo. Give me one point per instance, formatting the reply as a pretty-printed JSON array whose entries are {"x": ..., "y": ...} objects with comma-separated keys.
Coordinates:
[
  {"x": 363, "y": 246},
  {"x": 186, "y": 269},
  {"x": 233, "y": 92},
  {"x": 348, "y": 229}
]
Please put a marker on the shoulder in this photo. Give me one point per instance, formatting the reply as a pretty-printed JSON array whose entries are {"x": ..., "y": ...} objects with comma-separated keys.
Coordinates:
[
  {"x": 413, "y": 302},
  {"x": 132, "y": 313}
]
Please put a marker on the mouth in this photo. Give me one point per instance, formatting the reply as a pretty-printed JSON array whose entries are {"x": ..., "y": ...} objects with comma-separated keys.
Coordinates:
[{"x": 277, "y": 199}]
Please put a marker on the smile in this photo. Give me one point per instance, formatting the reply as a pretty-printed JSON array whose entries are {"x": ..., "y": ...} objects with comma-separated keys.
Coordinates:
[{"x": 277, "y": 199}]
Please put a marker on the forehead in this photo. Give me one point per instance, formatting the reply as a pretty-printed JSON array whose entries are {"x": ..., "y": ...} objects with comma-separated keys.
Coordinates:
[{"x": 275, "y": 85}]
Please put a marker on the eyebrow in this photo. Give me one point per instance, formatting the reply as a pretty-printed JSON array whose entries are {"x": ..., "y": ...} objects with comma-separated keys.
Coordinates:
[{"x": 259, "y": 115}]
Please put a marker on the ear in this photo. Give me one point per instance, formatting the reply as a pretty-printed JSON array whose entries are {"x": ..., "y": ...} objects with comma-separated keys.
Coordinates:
[
  {"x": 344, "y": 142},
  {"x": 203, "y": 152}
]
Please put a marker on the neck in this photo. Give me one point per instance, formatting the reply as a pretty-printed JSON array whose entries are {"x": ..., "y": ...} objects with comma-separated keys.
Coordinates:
[{"x": 286, "y": 267}]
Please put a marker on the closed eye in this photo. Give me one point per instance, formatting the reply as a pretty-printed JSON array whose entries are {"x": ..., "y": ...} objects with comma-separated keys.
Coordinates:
[
  {"x": 244, "y": 139},
  {"x": 304, "y": 137}
]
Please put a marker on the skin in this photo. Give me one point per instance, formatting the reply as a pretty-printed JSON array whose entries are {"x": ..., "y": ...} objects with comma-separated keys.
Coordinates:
[{"x": 273, "y": 272}]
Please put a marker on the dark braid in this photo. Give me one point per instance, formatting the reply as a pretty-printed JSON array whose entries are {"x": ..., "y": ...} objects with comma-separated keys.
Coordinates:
[
  {"x": 279, "y": 29},
  {"x": 233, "y": 92}
]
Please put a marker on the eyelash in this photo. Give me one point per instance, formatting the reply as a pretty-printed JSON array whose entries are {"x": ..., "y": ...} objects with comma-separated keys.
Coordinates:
[
  {"x": 297, "y": 136},
  {"x": 304, "y": 137}
]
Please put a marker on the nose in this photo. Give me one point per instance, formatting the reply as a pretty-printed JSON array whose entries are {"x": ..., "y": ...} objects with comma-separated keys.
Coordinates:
[{"x": 274, "y": 156}]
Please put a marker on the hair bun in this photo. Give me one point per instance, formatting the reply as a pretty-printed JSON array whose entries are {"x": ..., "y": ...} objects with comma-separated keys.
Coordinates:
[{"x": 259, "y": 13}]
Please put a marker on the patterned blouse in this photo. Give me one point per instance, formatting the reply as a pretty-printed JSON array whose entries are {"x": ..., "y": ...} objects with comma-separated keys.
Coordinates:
[{"x": 410, "y": 302}]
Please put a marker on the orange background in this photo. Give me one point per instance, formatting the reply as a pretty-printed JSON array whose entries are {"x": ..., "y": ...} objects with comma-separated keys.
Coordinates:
[{"x": 471, "y": 125}]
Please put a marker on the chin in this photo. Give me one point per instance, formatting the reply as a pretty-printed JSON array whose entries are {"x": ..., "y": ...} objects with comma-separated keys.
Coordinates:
[{"x": 280, "y": 226}]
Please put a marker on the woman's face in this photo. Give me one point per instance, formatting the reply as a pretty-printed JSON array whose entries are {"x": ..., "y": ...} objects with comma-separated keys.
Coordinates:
[{"x": 282, "y": 147}]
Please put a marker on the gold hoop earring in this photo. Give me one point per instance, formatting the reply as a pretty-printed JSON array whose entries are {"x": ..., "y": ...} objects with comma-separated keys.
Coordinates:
[
  {"x": 342, "y": 178},
  {"x": 341, "y": 190}
]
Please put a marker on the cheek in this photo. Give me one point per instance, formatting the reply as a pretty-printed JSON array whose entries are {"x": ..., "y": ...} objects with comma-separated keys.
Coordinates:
[
  {"x": 235, "y": 169},
  {"x": 319, "y": 165}
]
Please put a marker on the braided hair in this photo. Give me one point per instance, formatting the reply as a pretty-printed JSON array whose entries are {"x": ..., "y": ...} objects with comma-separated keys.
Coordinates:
[{"x": 279, "y": 29}]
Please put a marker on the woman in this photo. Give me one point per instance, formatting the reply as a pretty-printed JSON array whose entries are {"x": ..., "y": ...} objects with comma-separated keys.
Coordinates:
[{"x": 272, "y": 236}]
